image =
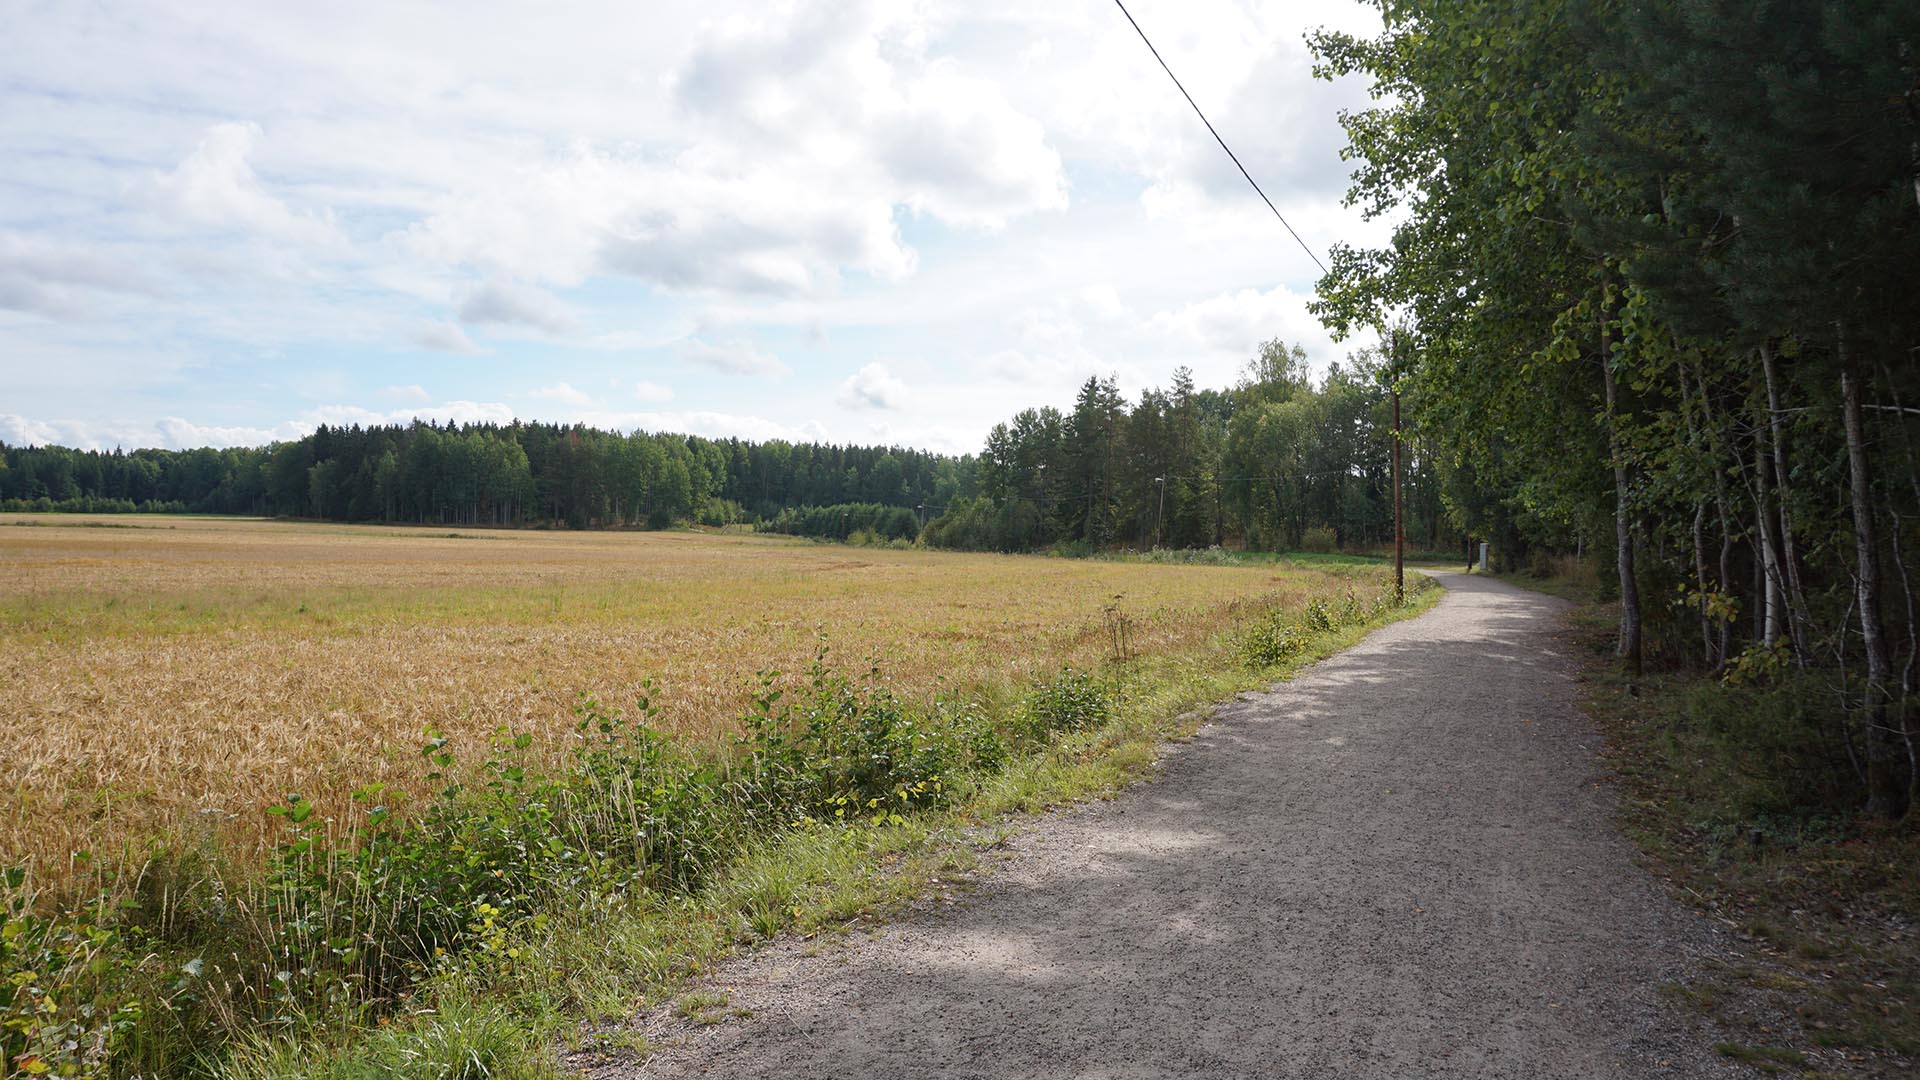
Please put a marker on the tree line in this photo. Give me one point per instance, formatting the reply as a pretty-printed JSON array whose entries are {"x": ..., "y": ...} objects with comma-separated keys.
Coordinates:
[
  {"x": 513, "y": 474},
  {"x": 1276, "y": 462},
  {"x": 1655, "y": 286}
]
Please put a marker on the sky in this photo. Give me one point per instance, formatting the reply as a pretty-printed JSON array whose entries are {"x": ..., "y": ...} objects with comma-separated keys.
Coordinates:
[{"x": 225, "y": 223}]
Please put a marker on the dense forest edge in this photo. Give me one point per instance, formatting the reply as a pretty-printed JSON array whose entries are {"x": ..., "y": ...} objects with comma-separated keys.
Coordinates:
[
  {"x": 1650, "y": 290},
  {"x": 1276, "y": 462}
]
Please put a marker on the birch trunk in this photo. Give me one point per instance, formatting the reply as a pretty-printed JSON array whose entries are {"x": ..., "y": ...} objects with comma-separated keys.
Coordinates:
[
  {"x": 1788, "y": 556},
  {"x": 1884, "y": 791},
  {"x": 1629, "y": 646},
  {"x": 1700, "y": 581},
  {"x": 1773, "y": 596}
]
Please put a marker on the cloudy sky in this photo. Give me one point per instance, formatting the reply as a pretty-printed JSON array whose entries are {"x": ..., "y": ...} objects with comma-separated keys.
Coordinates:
[{"x": 896, "y": 222}]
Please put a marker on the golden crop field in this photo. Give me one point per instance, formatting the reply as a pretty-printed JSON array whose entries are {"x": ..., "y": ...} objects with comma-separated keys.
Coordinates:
[{"x": 167, "y": 675}]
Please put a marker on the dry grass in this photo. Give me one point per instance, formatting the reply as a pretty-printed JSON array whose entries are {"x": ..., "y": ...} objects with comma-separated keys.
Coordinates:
[{"x": 184, "y": 674}]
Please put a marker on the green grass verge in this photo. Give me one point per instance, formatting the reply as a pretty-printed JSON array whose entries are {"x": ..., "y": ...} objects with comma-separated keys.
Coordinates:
[{"x": 533, "y": 1002}]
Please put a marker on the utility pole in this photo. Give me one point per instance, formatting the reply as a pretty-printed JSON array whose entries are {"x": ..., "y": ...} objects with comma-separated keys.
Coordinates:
[
  {"x": 1161, "y": 516},
  {"x": 1399, "y": 529}
]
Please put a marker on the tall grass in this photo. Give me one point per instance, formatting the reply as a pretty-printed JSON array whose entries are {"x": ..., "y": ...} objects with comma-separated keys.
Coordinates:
[
  {"x": 526, "y": 889},
  {"x": 169, "y": 682}
]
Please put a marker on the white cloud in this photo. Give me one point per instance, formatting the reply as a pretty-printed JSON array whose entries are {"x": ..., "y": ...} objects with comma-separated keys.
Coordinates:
[
  {"x": 448, "y": 412},
  {"x": 733, "y": 358},
  {"x": 710, "y": 424},
  {"x": 177, "y": 433},
  {"x": 805, "y": 130},
  {"x": 873, "y": 387},
  {"x": 216, "y": 186},
  {"x": 770, "y": 190},
  {"x": 964, "y": 155},
  {"x": 565, "y": 394},
  {"x": 503, "y": 304},
  {"x": 413, "y": 393},
  {"x": 720, "y": 425},
  {"x": 55, "y": 281},
  {"x": 441, "y": 337},
  {"x": 17, "y": 430},
  {"x": 184, "y": 434},
  {"x": 1238, "y": 322}
]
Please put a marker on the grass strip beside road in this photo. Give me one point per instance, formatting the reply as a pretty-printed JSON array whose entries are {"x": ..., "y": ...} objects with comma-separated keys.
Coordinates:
[{"x": 563, "y": 997}]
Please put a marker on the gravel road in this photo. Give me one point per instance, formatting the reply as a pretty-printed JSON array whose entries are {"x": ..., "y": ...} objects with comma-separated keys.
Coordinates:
[{"x": 1400, "y": 864}]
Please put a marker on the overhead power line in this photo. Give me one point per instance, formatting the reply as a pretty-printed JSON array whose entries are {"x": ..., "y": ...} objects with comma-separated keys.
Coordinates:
[{"x": 1218, "y": 139}]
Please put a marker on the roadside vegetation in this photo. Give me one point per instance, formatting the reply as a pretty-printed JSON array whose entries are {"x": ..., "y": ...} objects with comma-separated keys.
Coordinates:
[
  {"x": 476, "y": 895},
  {"x": 1652, "y": 304},
  {"x": 1661, "y": 308},
  {"x": 1731, "y": 786},
  {"x": 170, "y": 681}
]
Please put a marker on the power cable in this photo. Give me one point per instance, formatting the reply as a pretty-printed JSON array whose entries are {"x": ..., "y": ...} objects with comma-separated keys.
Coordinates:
[{"x": 1218, "y": 139}]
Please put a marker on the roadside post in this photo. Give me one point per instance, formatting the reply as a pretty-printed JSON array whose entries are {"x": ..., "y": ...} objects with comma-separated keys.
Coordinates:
[{"x": 1399, "y": 530}]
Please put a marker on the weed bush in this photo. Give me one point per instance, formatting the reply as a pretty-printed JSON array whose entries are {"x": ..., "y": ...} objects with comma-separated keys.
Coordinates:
[
  {"x": 63, "y": 1010},
  {"x": 1283, "y": 636},
  {"x": 878, "y": 523},
  {"x": 1762, "y": 756},
  {"x": 839, "y": 748},
  {"x": 350, "y": 917},
  {"x": 90, "y": 504},
  {"x": 1207, "y": 556},
  {"x": 1069, "y": 701}
]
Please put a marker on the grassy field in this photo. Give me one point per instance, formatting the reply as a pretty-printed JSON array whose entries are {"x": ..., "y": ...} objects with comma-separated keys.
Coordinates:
[{"x": 173, "y": 676}]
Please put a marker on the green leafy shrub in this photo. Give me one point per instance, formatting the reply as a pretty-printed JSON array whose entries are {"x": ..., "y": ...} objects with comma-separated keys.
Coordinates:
[
  {"x": 63, "y": 1010},
  {"x": 1273, "y": 642},
  {"x": 1207, "y": 556},
  {"x": 1765, "y": 752},
  {"x": 1282, "y": 637},
  {"x": 840, "y": 744},
  {"x": 716, "y": 512},
  {"x": 1069, "y": 701},
  {"x": 1319, "y": 617},
  {"x": 355, "y": 916},
  {"x": 875, "y": 522}
]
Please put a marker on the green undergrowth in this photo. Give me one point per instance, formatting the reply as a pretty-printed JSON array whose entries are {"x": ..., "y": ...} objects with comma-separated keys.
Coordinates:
[
  {"x": 1739, "y": 796},
  {"x": 1220, "y": 556},
  {"x": 522, "y": 913}
]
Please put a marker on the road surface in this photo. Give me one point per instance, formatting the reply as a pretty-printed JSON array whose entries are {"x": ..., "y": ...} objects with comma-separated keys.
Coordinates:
[{"x": 1400, "y": 864}]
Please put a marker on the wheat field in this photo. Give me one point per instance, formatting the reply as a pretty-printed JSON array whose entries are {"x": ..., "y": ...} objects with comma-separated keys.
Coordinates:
[{"x": 166, "y": 677}]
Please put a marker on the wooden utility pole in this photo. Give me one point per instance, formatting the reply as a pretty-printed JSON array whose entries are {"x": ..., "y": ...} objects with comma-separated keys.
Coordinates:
[
  {"x": 1399, "y": 529},
  {"x": 1161, "y": 515}
]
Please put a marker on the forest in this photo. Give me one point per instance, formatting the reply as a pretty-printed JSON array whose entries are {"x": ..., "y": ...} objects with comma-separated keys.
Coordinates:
[
  {"x": 1275, "y": 462},
  {"x": 1657, "y": 296},
  {"x": 517, "y": 474}
]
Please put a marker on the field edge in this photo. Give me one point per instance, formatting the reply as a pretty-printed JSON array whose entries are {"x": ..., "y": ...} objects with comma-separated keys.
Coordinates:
[{"x": 527, "y": 1021}]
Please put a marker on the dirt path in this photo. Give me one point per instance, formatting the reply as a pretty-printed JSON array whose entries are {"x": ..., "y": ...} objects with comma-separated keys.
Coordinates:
[{"x": 1399, "y": 865}]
